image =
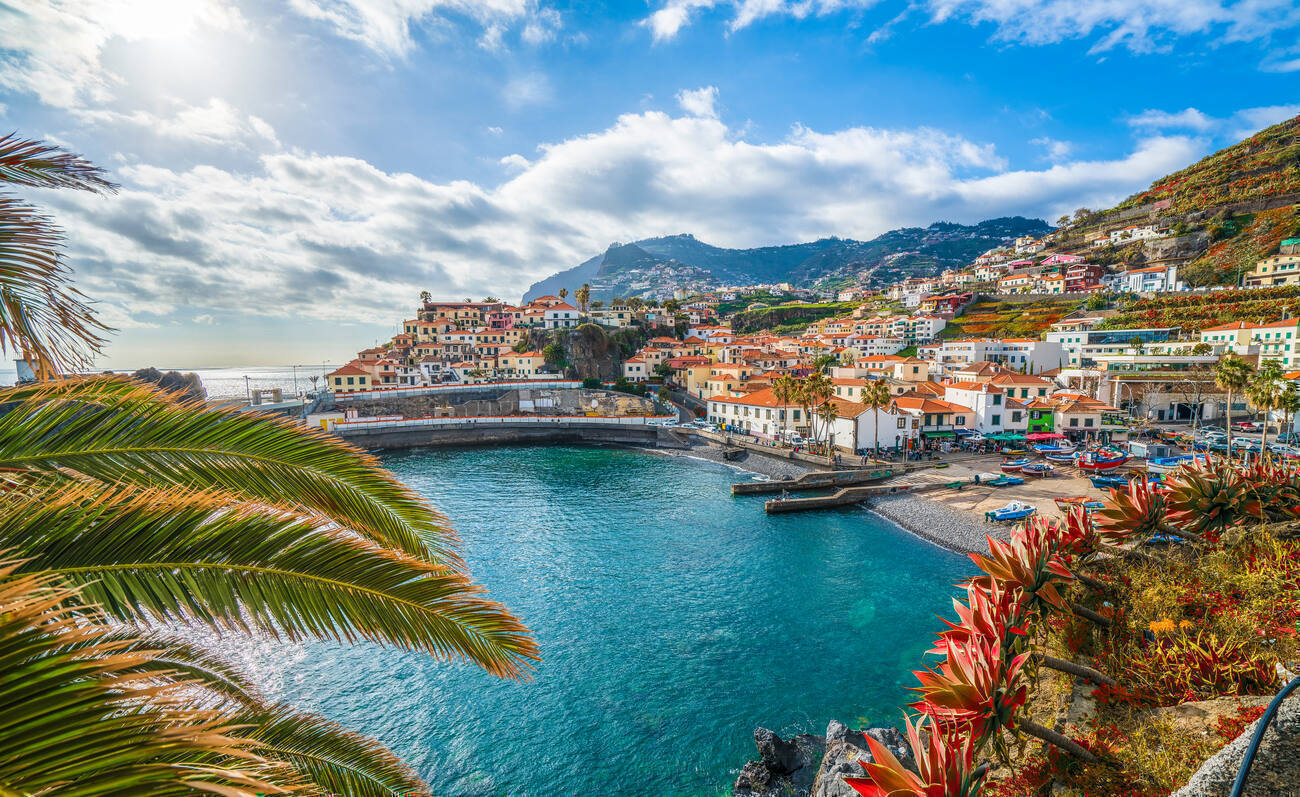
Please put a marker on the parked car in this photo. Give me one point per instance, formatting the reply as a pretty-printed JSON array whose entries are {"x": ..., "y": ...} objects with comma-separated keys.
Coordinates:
[
  {"x": 1246, "y": 426},
  {"x": 1290, "y": 438},
  {"x": 1241, "y": 444},
  {"x": 1213, "y": 430}
]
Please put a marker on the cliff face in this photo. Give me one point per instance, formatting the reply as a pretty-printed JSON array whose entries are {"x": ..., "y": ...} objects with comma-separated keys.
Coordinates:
[{"x": 814, "y": 766}]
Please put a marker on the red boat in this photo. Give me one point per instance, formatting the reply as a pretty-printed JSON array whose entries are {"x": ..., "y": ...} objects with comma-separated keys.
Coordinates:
[{"x": 1104, "y": 459}]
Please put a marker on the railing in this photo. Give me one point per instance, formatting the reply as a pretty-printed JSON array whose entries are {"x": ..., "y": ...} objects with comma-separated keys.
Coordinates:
[
  {"x": 424, "y": 390},
  {"x": 499, "y": 420},
  {"x": 1239, "y": 785}
]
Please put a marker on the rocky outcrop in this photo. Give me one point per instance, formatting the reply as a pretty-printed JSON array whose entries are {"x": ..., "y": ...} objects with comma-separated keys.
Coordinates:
[
  {"x": 1276, "y": 769},
  {"x": 784, "y": 769},
  {"x": 813, "y": 766},
  {"x": 845, "y": 749}
]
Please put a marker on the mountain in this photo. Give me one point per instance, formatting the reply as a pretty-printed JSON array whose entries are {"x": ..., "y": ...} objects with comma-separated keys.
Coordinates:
[
  {"x": 1265, "y": 165},
  {"x": 657, "y": 266}
]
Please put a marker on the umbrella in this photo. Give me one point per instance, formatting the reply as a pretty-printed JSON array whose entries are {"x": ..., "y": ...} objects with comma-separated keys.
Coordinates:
[{"x": 1045, "y": 436}]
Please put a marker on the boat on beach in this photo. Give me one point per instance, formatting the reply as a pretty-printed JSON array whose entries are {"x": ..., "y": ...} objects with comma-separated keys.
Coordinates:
[
  {"x": 1037, "y": 470},
  {"x": 1061, "y": 458},
  {"x": 1102, "y": 459},
  {"x": 1101, "y": 482},
  {"x": 1014, "y": 465},
  {"x": 1169, "y": 464},
  {"x": 1066, "y": 503},
  {"x": 1016, "y": 510},
  {"x": 1005, "y": 481}
]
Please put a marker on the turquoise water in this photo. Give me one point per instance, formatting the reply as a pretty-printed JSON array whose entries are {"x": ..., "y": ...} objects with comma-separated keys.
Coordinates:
[{"x": 672, "y": 618}]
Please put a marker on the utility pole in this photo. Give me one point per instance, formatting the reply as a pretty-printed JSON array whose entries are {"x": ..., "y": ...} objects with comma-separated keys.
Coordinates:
[{"x": 248, "y": 392}]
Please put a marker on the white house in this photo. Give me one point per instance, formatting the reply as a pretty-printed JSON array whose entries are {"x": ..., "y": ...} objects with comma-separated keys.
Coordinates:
[
  {"x": 560, "y": 316},
  {"x": 987, "y": 403},
  {"x": 1150, "y": 279},
  {"x": 1135, "y": 233}
]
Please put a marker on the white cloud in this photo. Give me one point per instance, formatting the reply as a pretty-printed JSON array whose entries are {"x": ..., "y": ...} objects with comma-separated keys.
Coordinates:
[
  {"x": 699, "y": 102},
  {"x": 52, "y": 48},
  {"x": 1055, "y": 150},
  {"x": 1288, "y": 65},
  {"x": 1188, "y": 118},
  {"x": 533, "y": 88},
  {"x": 1239, "y": 125},
  {"x": 314, "y": 235},
  {"x": 204, "y": 318},
  {"x": 542, "y": 27},
  {"x": 1140, "y": 25},
  {"x": 493, "y": 39},
  {"x": 666, "y": 22},
  {"x": 494, "y": 130},
  {"x": 218, "y": 123}
]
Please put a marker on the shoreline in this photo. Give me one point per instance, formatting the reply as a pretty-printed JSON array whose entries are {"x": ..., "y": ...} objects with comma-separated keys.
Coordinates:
[{"x": 937, "y": 522}]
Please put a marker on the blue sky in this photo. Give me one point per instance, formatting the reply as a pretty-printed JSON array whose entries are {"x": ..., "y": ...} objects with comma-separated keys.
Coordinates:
[{"x": 293, "y": 174}]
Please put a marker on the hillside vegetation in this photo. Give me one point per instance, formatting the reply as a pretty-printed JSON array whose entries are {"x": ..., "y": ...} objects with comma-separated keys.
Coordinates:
[
  {"x": 1265, "y": 165},
  {"x": 1007, "y": 319},
  {"x": 1239, "y": 242},
  {"x": 1197, "y": 311},
  {"x": 773, "y": 318}
]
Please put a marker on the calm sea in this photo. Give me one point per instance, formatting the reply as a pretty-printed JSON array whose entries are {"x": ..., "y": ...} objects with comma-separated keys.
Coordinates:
[
  {"x": 673, "y": 619},
  {"x": 231, "y": 383}
]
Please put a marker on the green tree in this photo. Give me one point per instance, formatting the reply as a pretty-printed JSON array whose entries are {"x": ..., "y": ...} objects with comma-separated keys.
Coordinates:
[
  {"x": 564, "y": 293},
  {"x": 126, "y": 507},
  {"x": 1232, "y": 374},
  {"x": 597, "y": 304},
  {"x": 1202, "y": 349},
  {"x": 591, "y": 383},
  {"x": 1265, "y": 392},
  {"x": 829, "y": 413},
  {"x": 784, "y": 389},
  {"x": 583, "y": 296},
  {"x": 672, "y": 306},
  {"x": 635, "y": 303},
  {"x": 553, "y": 353},
  {"x": 826, "y": 362},
  {"x": 876, "y": 396},
  {"x": 1289, "y": 403},
  {"x": 522, "y": 345},
  {"x": 1138, "y": 345},
  {"x": 1095, "y": 301}
]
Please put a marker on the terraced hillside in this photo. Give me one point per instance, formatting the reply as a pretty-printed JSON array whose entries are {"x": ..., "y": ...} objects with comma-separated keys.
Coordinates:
[
  {"x": 1197, "y": 311},
  {"x": 1009, "y": 319}
]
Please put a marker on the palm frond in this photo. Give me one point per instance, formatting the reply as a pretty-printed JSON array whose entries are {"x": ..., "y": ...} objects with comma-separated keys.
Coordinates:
[
  {"x": 118, "y": 431},
  {"x": 187, "y": 556},
  {"x": 42, "y": 317},
  {"x": 79, "y": 717},
  {"x": 40, "y": 165},
  {"x": 180, "y": 659},
  {"x": 336, "y": 760}
]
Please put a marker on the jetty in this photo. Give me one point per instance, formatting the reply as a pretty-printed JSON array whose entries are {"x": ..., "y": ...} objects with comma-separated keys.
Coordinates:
[
  {"x": 844, "y": 497},
  {"x": 817, "y": 480}
]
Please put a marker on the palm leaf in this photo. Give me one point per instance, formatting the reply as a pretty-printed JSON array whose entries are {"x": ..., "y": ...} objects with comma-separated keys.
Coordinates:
[
  {"x": 39, "y": 165},
  {"x": 337, "y": 760},
  {"x": 187, "y": 556},
  {"x": 42, "y": 318},
  {"x": 118, "y": 431},
  {"x": 79, "y": 717},
  {"x": 180, "y": 659}
]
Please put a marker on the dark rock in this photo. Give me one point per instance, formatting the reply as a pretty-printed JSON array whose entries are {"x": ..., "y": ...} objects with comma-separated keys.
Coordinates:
[
  {"x": 189, "y": 386},
  {"x": 1276, "y": 769},
  {"x": 845, "y": 748},
  {"x": 784, "y": 768}
]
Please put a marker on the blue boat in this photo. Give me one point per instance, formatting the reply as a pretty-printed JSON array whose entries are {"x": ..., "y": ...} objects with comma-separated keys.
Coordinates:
[
  {"x": 1038, "y": 470},
  {"x": 1102, "y": 482},
  {"x": 1005, "y": 481},
  {"x": 1169, "y": 464},
  {"x": 1014, "y": 465},
  {"x": 1063, "y": 458},
  {"x": 1015, "y": 510}
]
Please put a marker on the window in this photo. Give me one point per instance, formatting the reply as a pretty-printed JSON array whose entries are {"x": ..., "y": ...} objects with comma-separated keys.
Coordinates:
[
  {"x": 997, "y": 420},
  {"x": 959, "y": 420},
  {"x": 1087, "y": 421},
  {"x": 349, "y": 380},
  {"x": 997, "y": 399},
  {"x": 1074, "y": 421},
  {"x": 902, "y": 423},
  {"x": 1015, "y": 417}
]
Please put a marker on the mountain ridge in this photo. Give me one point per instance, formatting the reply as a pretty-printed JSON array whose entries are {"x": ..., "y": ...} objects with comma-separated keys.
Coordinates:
[{"x": 655, "y": 266}]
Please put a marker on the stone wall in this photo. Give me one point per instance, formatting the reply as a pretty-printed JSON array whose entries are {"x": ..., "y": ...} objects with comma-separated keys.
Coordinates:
[
  {"x": 508, "y": 434},
  {"x": 496, "y": 401}
]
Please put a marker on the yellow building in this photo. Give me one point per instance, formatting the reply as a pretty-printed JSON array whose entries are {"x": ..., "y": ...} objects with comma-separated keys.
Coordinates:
[
  {"x": 1280, "y": 269},
  {"x": 351, "y": 378}
]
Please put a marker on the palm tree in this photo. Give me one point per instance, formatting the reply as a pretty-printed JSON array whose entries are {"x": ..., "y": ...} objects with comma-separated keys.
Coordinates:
[
  {"x": 829, "y": 413},
  {"x": 583, "y": 296},
  {"x": 1232, "y": 374},
  {"x": 783, "y": 389},
  {"x": 1289, "y": 403},
  {"x": 876, "y": 396},
  {"x": 564, "y": 292},
  {"x": 124, "y": 507},
  {"x": 1265, "y": 392},
  {"x": 816, "y": 390}
]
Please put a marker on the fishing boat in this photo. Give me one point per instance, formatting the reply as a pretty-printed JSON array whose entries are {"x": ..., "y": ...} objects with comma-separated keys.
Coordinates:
[
  {"x": 1066, "y": 503},
  {"x": 1102, "y": 459},
  {"x": 1062, "y": 458},
  {"x": 1037, "y": 470},
  {"x": 1005, "y": 481},
  {"x": 1014, "y": 451},
  {"x": 1016, "y": 510},
  {"x": 1169, "y": 464},
  {"x": 1102, "y": 482},
  {"x": 1014, "y": 465},
  {"x": 1060, "y": 447}
]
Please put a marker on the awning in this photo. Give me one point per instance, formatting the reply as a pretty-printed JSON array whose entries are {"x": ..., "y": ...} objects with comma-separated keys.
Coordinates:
[
  {"x": 938, "y": 435},
  {"x": 1005, "y": 436},
  {"x": 963, "y": 432},
  {"x": 1045, "y": 436}
]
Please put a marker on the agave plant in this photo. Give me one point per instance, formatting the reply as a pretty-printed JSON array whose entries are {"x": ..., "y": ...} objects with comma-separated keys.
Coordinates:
[
  {"x": 129, "y": 507},
  {"x": 974, "y": 687},
  {"x": 1029, "y": 568},
  {"x": 945, "y": 765},
  {"x": 1274, "y": 487},
  {"x": 1136, "y": 513},
  {"x": 1210, "y": 499}
]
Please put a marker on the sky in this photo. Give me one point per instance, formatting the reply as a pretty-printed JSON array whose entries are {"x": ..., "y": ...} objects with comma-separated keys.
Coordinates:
[{"x": 292, "y": 174}]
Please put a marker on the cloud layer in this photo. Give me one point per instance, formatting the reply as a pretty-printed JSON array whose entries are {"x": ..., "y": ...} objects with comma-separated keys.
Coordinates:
[{"x": 333, "y": 237}]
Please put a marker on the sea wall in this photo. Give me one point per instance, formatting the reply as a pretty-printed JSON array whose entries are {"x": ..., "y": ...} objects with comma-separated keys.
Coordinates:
[{"x": 511, "y": 434}]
